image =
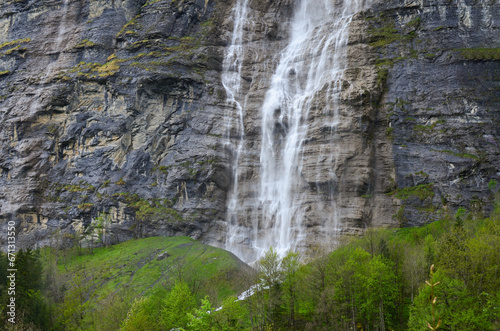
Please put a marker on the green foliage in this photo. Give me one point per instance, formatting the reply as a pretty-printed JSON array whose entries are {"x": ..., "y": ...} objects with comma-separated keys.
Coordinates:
[
  {"x": 290, "y": 267},
  {"x": 176, "y": 307},
  {"x": 143, "y": 315},
  {"x": 230, "y": 317},
  {"x": 150, "y": 2},
  {"x": 112, "y": 311},
  {"x": 385, "y": 271},
  {"x": 164, "y": 169},
  {"x": 32, "y": 308},
  {"x": 382, "y": 75},
  {"x": 77, "y": 300},
  {"x": 364, "y": 289},
  {"x": 162, "y": 310},
  {"x": 471, "y": 258},
  {"x": 467, "y": 297},
  {"x": 374, "y": 282},
  {"x": 94, "y": 70},
  {"x": 427, "y": 129},
  {"x": 202, "y": 318},
  {"x": 457, "y": 307},
  {"x": 86, "y": 207},
  {"x": 130, "y": 24},
  {"x": 390, "y": 133},
  {"x": 151, "y": 282},
  {"x": 414, "y": 23}
]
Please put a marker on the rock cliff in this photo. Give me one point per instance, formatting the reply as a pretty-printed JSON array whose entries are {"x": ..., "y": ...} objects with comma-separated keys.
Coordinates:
[
  {"x": 111, "y": 106},
  {"x": 114, "y": 115}
]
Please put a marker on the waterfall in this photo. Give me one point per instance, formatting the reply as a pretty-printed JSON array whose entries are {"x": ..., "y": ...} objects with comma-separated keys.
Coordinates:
[
  {"x": 235, "y": 129},
  {"x": 307, "y": 81}
]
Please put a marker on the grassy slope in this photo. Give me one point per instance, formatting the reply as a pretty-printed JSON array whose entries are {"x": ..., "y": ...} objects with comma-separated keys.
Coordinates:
[{"x": 135, "y": 267}]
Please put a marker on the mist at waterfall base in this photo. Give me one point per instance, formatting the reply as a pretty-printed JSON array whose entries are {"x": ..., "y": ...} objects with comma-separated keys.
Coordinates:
[{"x": 307, "y": 79}]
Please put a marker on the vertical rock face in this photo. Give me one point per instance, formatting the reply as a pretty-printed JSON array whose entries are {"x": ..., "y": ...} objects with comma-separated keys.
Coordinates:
[
  {"x": 121, "y": 110},
  {"x": 439, "y": 63},
  {"x": 111, "y": 107}
]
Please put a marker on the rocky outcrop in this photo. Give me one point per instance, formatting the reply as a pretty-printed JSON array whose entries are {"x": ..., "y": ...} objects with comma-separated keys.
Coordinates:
[{"x": 115, "y": 111}]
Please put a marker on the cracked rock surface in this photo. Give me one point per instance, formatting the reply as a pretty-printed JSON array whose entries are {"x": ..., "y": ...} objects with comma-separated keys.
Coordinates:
[{"x": 117, "y": 107}]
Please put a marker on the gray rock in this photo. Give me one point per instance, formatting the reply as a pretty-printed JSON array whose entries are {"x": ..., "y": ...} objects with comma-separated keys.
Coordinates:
[{"x": 117, "y": 107}]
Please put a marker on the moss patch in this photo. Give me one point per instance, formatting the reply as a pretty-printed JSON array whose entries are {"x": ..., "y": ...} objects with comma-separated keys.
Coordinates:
[
  {"x": 14, "y": 42},
  {"x": 18, "y": 48},
  {"x": 155, "y": 209},
  {"x": 385, "y": 35},
  {"x": 85, "y": 44},
  {"x": 422, "y": 191},
  {"x": 479, "y": 54}
]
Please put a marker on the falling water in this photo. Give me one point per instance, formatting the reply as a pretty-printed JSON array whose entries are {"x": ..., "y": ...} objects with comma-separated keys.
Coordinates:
[
  {"x": 307, "y": 80},
  {"x": 231, "y": 80}
]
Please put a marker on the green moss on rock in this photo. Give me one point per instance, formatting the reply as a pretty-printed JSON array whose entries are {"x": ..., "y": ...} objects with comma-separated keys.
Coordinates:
[
  {"x": 422, "y": 191},
  {"x": 479, "y": 54},
  {"x": 14, "y": 42}
]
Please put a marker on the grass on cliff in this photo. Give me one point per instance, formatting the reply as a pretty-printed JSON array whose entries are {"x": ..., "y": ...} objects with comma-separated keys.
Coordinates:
[{"x": 480, "y": 54}]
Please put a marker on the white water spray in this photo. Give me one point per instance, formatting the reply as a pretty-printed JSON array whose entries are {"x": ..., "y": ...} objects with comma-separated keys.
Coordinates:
[
  {"x": 307, "y": 80},
  {"x": 235, "y": 129}
]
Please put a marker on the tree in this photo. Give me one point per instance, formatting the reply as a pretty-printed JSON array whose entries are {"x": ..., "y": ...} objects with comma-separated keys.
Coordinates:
[
  {"x": 162, "y": 310},
  {"x": 141, "y": 316},
  {"x": 374, "y": 242},
  {"x": 77, "y": 300},
  {"x": 456, "y": 306},
  {"x": 380, "y": 289},
  {"x": 111, "y": 311},
  {"x": 30, "y": 303},
  {"x": 269, "y": 287},
  {"x": 290, "y": 266},
  {"x": 101, "y": 224},
  {"x": 413, "y": 269},
  {"x": 231, "y": 316},
  {"x": 202, "y": 319},
  {"x": 349, "y": 280},
  {"x": 145, "y": 313},
  {"x": 178, "y": 303},
  {"x": 472, "y": 259}
]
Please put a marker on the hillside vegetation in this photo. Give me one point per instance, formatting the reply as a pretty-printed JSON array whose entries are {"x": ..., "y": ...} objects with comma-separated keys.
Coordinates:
[
  {"x": 93, "y": 289},
  {"x": 381, "y": 281}
]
